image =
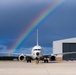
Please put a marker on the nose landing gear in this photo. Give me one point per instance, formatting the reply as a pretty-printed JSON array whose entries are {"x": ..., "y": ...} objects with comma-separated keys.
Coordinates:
[{"x": 37, "y": 60}]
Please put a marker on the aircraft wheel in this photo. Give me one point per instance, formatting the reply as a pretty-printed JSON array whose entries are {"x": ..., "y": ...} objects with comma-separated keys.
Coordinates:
[
  {"x": 28, "y": 61},
  {"x": 45, "y": 61}
]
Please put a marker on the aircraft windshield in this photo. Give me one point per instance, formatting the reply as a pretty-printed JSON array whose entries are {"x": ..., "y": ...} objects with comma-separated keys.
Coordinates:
[{"x": 37, "y": 49}]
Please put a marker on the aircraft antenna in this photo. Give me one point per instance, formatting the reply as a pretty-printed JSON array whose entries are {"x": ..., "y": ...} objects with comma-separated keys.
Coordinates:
[{"x": 37, "y": 37}]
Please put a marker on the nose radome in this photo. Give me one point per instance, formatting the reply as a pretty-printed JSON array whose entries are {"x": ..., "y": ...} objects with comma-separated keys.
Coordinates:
[{"x": 37, "y": 53}]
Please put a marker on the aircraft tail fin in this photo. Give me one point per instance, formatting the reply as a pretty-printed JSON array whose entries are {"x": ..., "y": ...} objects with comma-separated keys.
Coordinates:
[{"x": 37, "y": 37}]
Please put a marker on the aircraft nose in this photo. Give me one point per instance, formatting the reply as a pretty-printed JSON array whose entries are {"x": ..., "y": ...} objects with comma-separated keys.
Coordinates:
[{"x": 37, "y": 53}]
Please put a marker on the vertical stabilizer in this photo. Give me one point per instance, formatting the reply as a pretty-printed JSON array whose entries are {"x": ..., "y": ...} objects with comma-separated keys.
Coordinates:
[{"x": 37, "y": 37}]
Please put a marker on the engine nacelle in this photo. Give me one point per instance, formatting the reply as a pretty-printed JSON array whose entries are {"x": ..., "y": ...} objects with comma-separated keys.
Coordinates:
[
  {"x": 21, "y": 57},
  {"x": 53, "y": 58}
]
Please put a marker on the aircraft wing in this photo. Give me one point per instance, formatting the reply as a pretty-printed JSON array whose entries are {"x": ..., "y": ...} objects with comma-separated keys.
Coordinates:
[
  {"x": 64, "y": 53},
  {"x": 11, "y": 54},
  {"x": 48, "y": 55}
]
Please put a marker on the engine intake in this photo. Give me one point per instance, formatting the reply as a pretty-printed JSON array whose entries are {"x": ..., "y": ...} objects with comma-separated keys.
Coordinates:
[
  {"x": 22, "y": 57},
  {"x": 52, "y": 58}
]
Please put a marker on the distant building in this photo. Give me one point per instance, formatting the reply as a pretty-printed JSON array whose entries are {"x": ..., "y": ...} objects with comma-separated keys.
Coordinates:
[{"x": 65, "y": 45}]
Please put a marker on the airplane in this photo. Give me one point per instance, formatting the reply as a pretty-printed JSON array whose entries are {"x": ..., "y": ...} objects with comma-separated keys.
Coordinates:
[{"x": 37, "y": 53}]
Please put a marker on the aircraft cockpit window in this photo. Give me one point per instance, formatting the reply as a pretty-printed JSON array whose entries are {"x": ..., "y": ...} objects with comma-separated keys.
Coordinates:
[{"x": 37, "y": 49}]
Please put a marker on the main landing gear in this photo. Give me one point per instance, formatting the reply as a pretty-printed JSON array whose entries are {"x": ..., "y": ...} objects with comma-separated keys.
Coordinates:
[
  {"x": 45, "y": 60},
  {"x": 28, "y": 59}
]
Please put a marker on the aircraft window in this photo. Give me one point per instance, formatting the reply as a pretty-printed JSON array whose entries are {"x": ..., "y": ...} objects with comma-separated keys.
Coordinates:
[{"x": 37, "y": 49}]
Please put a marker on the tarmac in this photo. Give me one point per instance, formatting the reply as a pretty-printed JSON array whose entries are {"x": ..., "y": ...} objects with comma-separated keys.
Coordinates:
[{"x": 51, "y": 68}]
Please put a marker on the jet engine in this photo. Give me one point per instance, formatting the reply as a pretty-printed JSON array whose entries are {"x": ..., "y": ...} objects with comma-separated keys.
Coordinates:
[
  {"x": 52, "y": 58},
  {"x": 21, "y": 57}
]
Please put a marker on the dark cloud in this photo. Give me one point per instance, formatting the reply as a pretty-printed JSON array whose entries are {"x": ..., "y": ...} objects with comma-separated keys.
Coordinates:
[{"x": 17, "y": 15}]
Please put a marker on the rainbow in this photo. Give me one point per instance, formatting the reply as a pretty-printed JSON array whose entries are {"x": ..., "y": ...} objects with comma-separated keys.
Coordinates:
[{"x": 35, "y": 23}]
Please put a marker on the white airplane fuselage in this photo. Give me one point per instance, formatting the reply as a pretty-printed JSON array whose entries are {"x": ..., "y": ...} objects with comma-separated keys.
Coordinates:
[{"x": 37, "y": 52}]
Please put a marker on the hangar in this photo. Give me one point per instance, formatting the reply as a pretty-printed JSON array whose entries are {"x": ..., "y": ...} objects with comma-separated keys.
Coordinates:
[{"x": 65, "y": 45}]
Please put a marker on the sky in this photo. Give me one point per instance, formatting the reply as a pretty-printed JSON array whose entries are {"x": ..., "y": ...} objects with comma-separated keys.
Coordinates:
[{"x": 17, "y": 15}]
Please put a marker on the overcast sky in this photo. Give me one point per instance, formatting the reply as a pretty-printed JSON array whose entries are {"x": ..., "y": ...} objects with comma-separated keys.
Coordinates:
[{"x": 17, "y": 15}]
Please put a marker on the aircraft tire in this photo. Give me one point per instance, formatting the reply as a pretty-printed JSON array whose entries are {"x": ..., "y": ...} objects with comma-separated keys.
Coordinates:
[
  {"x": 28, "y": 61},
  {"x": 45, "y": 61}
]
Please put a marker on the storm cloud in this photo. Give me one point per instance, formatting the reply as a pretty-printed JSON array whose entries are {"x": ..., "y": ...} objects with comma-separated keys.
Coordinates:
[{"x": 17, "y": 15}]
